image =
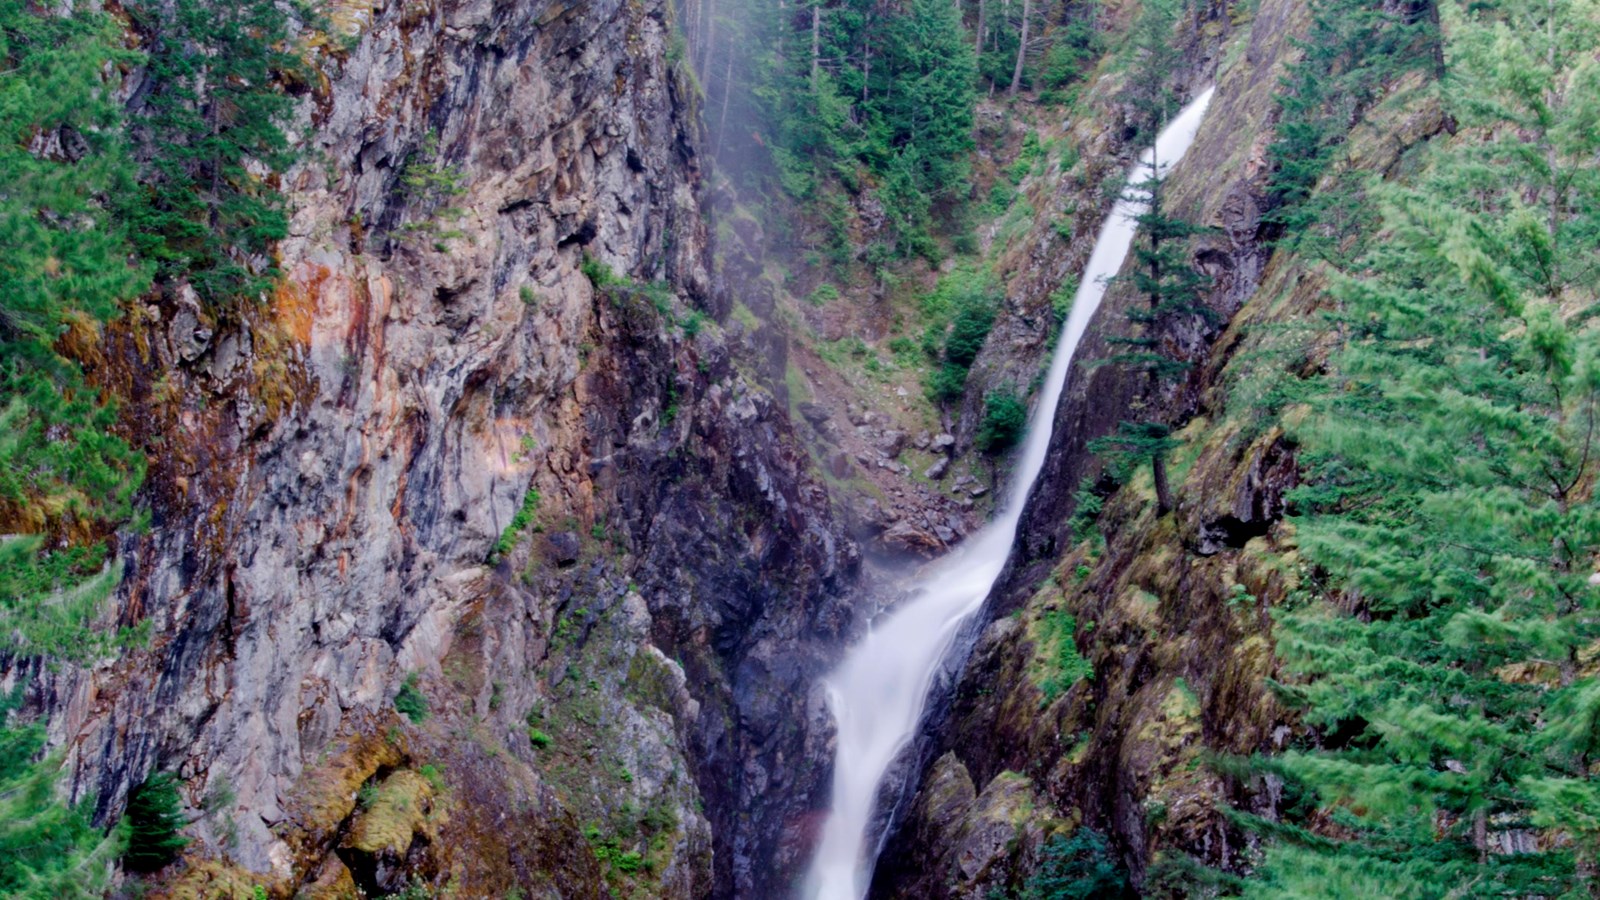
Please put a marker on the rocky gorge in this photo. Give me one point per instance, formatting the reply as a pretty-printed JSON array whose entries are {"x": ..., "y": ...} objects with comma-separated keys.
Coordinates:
[{"x": 501, "y": 551}]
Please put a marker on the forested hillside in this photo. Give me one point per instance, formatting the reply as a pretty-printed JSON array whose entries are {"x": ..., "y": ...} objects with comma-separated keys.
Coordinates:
[{"x": 446, "y": 446}]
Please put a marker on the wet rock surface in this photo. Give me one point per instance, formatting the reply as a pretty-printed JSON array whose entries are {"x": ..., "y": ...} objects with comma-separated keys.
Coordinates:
[{"x": 441, "y": 457}]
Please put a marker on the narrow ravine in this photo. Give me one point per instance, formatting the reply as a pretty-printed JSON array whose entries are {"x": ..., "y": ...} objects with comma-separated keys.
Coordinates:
[{"x": 878, "y": 693}]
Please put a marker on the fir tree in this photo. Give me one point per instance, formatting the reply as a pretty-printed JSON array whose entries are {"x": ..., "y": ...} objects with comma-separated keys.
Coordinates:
[
  {"x": 65, "y": 478},
  {"x": 213, "y": 109},
  {"x": 1443, "y": 647},
  {"x": 48, "y": 850},
  {"x": 155, "y": 822},
  {"x": 1172, "y": 291}
]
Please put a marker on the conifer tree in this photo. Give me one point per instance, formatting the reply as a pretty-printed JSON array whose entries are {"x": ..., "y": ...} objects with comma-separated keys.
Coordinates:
[
  {"x": 1162, "y": 274},
  {"x": 1443, "y": 644},
  {"x": 48, "y": 850},
  {"x": 65, "y": 478},
  {"x": 155, "y": 821},
  {"x": 213, "y": 109}
]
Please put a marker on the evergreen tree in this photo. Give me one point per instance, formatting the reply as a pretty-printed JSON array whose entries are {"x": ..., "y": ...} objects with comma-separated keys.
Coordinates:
[
  {"x": 155, "y": 822},
  {"x": 1171, "y": 288},
  {"x": 1081, "y": 867},
  {"x": 882, "y": 100},
  {"x": 65, "y": 478},
  {"x": 48, "y": 850},
  {"x": 212, "y": 110},
  {"x": 1443, "y": 646},
  {"x": 1352, "y": 50}
]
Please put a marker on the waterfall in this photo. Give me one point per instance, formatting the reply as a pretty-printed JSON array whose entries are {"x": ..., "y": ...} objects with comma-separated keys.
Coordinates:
[{"x": 877, "y": 694}]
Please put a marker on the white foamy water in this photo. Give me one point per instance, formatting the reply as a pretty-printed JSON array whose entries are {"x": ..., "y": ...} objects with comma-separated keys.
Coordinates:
[{"x": 877, "y": 694}]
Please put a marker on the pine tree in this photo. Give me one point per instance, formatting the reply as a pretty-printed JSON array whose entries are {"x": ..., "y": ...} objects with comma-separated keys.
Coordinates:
[
  {"x": 214, "y": 107},
  {"x": 48, "y": 850},
  {"x": 155, "y": 822},
  {"x": 1443, "y": 644},
  {"x": 65, "y": 478}
]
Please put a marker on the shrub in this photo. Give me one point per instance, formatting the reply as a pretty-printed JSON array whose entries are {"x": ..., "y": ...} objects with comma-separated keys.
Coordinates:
[
  {"x": 823, "y": 295},
  {"x": 539, "y": 739},
  {"x": 967, "y": 334},
  {"x": 1080, "y": 867},
  {"x": 947, "y": 383},
  {"x": 1005, "y": 418},
  {"x": 518, "y": 524},
  {"x": 410, "y": 702},
  {"x": 599, "y": 274}
]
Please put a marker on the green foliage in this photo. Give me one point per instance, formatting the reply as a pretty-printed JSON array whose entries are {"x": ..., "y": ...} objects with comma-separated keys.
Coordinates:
[
  {"x": 1065, "y": 666},
  {"x": 947, "y": 383},
  {"x": 66, "y": 478},
  {"x": 214, "y": 108},
  {"x": 1353, "y": 49},
  {"x": 48, "y": 850},
  {"x": 889, "y": 108},
  {"x": 1448, "y": 508},
  {"x": 410, "y": 702},
  {"x": 428, "y": 184},
  {"x": 608, "y": 849},
  {"x": 520, "y": 520},
  {"x": 959, "y": 311},
  {"x": 1005, "y": 418},
  {"x": 1173, "y": 291},
  {"x": 967, "y": 334},
  {"x": 155, "y": 824},
  {"x": 599, "y": 274},
  {"x": 539, "y": 739},
  {"x": 1081, "y": 867},
  {"x": 1152, "y": 54},
  {"x": 1074, "y": 47}
]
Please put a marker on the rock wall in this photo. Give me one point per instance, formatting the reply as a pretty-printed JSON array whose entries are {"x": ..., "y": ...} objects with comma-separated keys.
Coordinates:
[
  {"x": 499, "y": 281},
  {"x": 1171, "y": 612}
]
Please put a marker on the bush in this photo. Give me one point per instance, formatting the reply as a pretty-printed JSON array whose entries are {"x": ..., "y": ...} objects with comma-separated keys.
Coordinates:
[
  {"x": 410, "y": 702},
  {"x": 947, "y": 383},
  {"x": 1081, "y": 867},
  {"x": 539, "y": 739},
  {"x": 519, "y": 523},
  {"x": 1005, "y": 418},
  {"x": 155, "y": 817},
  {"x": 967, "y": 335}
]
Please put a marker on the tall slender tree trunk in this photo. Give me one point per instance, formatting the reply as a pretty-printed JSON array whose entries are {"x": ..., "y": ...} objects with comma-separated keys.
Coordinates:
[
  {"x": 1022, "y": 48},
  {"x": 1158, "y": 471},
  {"x": 816, "y": 41},
  {"x": 727, "y": 91},
  {"x": 866, "y": 72},
  {"x": 979, "y": 43},
  {"x": 711, "y": 41}
]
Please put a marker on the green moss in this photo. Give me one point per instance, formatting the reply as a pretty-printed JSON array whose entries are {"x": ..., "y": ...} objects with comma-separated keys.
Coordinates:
[{"x": 398, "y": 809}]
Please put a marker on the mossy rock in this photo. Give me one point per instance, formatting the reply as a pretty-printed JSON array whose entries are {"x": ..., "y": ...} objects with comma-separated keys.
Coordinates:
[
  {"x": 211, "y": 879},
  {"x": 402, "y": 809}
]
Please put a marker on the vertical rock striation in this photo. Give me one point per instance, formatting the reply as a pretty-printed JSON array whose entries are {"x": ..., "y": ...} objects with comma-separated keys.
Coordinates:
[{"x": 499, "y": 280}]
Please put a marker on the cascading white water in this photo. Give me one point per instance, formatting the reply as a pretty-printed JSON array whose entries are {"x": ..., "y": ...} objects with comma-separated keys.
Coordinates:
[{"x": 877, "y": 694}]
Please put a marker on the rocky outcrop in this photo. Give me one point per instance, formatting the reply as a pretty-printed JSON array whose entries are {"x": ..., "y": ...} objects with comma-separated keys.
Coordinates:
[
  {"x": 509, "y": 448},
  {"x": 1170, "y": 613}
]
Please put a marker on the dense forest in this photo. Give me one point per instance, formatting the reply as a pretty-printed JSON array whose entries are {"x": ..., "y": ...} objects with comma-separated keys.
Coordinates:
[{"x": 1437, "y": 644}]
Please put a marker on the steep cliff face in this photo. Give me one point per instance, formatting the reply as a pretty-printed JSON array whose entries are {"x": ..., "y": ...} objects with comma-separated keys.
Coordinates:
[
  {"x": 1171, "y": 612},
  {"x": 496, "y": 442}
]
